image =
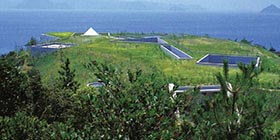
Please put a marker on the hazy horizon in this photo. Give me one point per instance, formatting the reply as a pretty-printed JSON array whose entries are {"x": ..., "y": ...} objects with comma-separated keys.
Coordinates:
[
  {"x": 228, "y": 5},
  {"x": 206, "y": 5}
]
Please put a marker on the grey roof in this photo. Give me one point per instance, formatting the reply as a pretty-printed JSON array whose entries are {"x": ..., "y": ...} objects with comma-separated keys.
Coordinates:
[
  {"x": 203, "y": 89},
  {"x": 233, "y": 61}
]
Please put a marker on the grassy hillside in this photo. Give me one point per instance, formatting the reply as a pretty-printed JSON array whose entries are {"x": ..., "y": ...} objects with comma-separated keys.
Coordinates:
[{"x": 150, "y": 57}]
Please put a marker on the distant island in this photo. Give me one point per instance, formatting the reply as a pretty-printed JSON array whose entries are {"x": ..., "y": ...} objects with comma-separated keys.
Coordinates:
[{"x": 272, "y": 9}]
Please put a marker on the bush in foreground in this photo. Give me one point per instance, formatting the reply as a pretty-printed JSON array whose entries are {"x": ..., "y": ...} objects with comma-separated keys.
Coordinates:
[{"x": 135, "y": 105}]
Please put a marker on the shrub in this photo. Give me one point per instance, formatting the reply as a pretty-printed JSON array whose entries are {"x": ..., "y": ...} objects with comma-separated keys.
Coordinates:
[
  {"x": 272, "y": 50},
  {"x": 131, "y": 105}
]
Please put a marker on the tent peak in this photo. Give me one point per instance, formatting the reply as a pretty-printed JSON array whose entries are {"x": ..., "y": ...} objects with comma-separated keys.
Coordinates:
[{"x": 90, "y": 32}]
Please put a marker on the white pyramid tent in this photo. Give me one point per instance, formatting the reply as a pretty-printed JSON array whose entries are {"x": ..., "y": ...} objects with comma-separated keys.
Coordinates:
[{"x": 90, "y": 32}]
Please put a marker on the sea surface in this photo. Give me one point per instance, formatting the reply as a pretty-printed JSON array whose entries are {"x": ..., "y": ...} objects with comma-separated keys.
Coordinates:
[{"x": 17, "y": 27}]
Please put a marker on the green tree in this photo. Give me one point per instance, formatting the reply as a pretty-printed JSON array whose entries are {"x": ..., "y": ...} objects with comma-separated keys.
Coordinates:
[
  {"x": 32, "y": 42},
  {"x": 67, "y": 77},
  {"x": 272, "y": 50},
  {"x": 131, "y": 105},
  {"x": 13, "y": 84},
  {"x": 36, "y": 92},
  {"x": 240, "y": 111},
  {"x": 21, "y": 126}
]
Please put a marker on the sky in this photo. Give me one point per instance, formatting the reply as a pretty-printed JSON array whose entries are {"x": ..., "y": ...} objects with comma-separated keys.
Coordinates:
[
  {"x": 209, "y": 5},
  {"x": 227, "y": 5}
]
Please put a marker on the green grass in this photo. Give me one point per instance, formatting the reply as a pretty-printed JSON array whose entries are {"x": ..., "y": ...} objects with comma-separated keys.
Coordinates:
[
  {"x": 61, "y": 35},
  {"x": 150, "y": 57},
  {"x": 200, "y": 46}
]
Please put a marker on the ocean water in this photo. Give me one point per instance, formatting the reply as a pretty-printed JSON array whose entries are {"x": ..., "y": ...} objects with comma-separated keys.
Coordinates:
[{"x": 17, "y": 27}]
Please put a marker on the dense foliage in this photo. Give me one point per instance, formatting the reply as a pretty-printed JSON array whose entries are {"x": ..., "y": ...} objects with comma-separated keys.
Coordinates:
[
  {"x": 132, "y": 105},
  {"x": 12, "y": 85},
  {"x": 66, "y": 78}
]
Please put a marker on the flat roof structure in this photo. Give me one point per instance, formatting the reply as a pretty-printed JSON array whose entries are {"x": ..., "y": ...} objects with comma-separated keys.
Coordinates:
[
  {"x": 40, "y": 49},
  {"x": 56, "y": 46},
  {"x": 203, "y": 89},
  {"x": 233, "y": 61},
  {"x": 144, "y": 40}
]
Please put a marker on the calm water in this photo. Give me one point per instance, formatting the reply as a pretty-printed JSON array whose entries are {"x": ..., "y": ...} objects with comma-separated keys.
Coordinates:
[{"x": 16, "y": 27}]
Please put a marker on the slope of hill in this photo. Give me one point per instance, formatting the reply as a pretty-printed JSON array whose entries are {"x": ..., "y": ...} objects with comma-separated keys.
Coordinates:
[
  {"x": 150, "y": 57},
  {"x": 272, "y": 9}
]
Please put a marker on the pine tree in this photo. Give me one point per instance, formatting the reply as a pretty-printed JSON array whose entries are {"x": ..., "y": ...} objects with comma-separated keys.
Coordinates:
[
  {"x": 238, "y": 112},
  {"x": 35, "y": 90},
  {"x": 67, "y": 77}
]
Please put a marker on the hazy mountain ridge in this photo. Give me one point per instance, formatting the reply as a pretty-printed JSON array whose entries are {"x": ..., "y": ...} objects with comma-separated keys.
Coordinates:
[
  {"x": 272, "y": 9},
  {"x": 108, "y": 5},
  {"x": 131, "y": 5}
]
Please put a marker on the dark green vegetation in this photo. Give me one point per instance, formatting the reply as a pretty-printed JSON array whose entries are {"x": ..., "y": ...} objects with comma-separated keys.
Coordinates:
[
  {"x": 32, "y": 42},
  {"x": 66, "y": 79},
  {"x": 135, "y": 102}
]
